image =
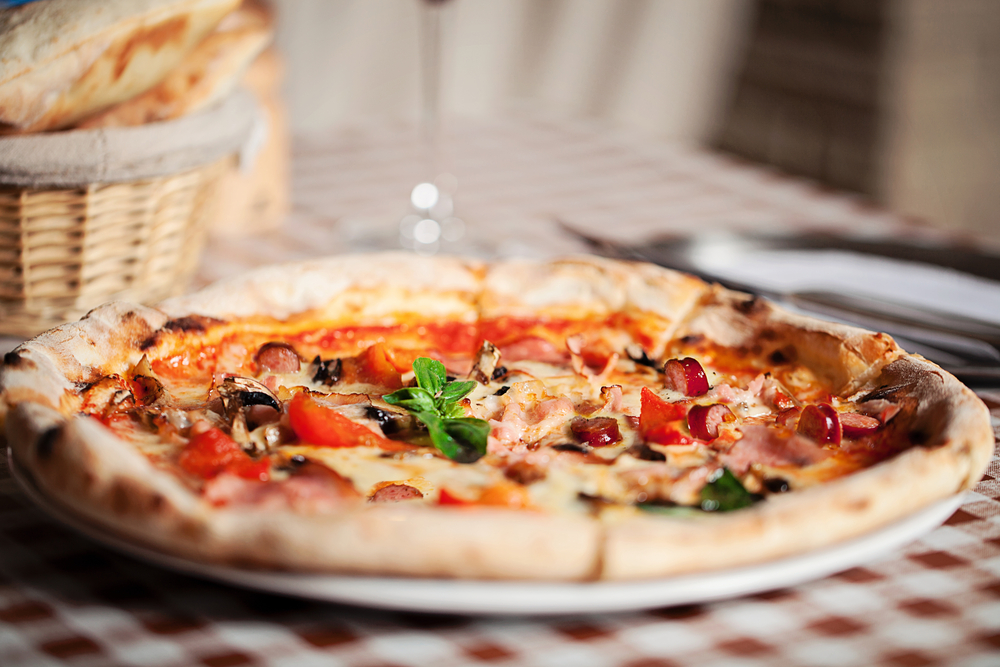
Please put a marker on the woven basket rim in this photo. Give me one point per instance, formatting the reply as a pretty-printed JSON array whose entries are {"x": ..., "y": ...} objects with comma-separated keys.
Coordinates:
[{"x": 77, "y": 158}]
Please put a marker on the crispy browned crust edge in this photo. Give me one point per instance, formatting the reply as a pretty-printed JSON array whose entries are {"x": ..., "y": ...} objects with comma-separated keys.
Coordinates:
[{"x": 80, "y": 465}]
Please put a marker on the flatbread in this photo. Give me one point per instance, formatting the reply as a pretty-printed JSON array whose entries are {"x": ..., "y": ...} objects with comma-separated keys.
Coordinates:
[
  {"x": 96, "y": 475},
  {"x": 63, "y": 60},
  {"x": 205, "y": 76}
]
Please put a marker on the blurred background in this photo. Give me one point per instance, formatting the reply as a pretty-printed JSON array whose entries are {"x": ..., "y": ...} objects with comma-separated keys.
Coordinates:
[{"x": 896, "y": 99}]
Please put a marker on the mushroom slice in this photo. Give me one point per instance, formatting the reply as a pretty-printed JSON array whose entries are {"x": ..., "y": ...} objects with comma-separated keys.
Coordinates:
[
  {"x": 487, "y": 360},
  {"x": 264, "y": 438},
  {"x": 146, "y": 388},
  {"x": 237, "y": 393},
  {"x": 245, "y": 391}
]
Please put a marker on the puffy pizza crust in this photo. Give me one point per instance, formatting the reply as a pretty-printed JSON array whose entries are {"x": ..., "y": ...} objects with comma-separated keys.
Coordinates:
[{"x": 78, "y": 463}]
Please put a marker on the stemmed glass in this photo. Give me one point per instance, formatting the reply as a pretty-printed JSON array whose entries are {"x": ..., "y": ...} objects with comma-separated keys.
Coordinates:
[{"x": 431, "y": 223}]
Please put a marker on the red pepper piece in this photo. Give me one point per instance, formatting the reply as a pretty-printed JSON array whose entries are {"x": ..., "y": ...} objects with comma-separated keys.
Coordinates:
[
  {"x": 446, "y": 498},
  {"x": 320, "y": 425},
  {"x": 212, "y": 452},
  {"x": 657, "y": 418}
]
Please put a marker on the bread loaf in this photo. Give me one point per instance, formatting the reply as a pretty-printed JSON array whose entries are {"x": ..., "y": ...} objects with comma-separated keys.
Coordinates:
[{"x": 64, "y": 60}]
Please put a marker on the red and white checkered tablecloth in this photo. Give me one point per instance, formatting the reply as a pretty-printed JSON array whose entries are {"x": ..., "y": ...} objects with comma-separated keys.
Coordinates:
[{"x": 65, "y": 599}]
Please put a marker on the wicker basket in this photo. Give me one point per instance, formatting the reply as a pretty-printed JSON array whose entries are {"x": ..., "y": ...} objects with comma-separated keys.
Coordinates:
[
  {"x": 65, "y": 250},
  {"x": 62, "y": 252}
]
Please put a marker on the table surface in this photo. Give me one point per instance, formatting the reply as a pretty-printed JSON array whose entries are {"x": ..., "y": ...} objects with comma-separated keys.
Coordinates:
[{"x": 67, "y": 599}]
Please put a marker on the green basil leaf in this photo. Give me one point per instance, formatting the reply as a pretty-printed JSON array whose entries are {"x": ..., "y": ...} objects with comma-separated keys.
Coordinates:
[
  {"x": 469, "y": 431},
  {"x": 412, "y": 398},
  {"x": 455, "y": 391},
  {"x": 670, "y": 510},
  {"x": 452, "y": 411},
  {"x": 430, "y": 374},
  {"x": 446, "y": 444},
  {"x": 725, "y": 493}
]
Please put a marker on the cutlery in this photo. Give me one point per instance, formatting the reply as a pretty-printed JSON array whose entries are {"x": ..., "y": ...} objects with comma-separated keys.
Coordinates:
[{"x": 967, "y": 347}]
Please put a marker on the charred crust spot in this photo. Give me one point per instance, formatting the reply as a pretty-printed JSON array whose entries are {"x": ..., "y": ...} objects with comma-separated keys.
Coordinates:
[
  {"x": 784, "y": 355},
  {"x": 14, "y": 360},
  {"x": 150, "y": 341},
  {"x": 191, "y": 324},
  {"x": 46, "y": 443},
  {"x": 885, "y": 392},
  {"x": 692, "y": 339},
  {"x": 768, "y": 334}
]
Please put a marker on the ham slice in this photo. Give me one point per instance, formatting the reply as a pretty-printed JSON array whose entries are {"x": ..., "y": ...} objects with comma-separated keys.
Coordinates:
[
  {"x": 767, "y": 446},
  {"x": 311, "y": 489}
]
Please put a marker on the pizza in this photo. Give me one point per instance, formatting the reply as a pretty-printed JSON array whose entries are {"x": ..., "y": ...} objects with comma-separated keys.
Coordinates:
[{"x": 572, "y": 420}]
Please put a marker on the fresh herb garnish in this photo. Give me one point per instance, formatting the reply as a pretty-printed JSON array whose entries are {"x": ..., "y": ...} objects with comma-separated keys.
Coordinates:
[
  {"x": 434, "y": 401},
  {"x": 722, "y": 493}
]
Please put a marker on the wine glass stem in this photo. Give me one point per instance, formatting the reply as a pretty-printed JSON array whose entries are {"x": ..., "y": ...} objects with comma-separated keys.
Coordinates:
[{"x": 430, "y": 79}]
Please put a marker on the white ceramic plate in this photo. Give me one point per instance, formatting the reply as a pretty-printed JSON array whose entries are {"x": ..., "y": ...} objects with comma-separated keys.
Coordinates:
[{"x": 522, "y": 597}]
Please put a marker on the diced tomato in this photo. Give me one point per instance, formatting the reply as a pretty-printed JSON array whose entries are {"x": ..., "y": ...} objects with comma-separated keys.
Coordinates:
[
  {"x": 445, "y": 498},
  {"x": 657, "y": 418},
  {"x": 372, "y": 366},
  {"x": 320, "y": 425},
  {"x": 212, "y": 452}
]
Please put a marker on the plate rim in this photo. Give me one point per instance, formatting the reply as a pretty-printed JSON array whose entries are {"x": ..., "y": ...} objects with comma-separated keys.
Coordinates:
[{"x": 522, "y": 597}]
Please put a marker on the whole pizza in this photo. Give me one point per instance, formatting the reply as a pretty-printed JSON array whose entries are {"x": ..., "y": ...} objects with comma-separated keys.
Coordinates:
[{"x": 574, "y": 420}]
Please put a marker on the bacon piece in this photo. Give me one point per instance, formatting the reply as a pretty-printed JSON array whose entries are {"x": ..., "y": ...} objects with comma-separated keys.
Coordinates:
[
  {"x": 880, "y": 408},
  {"x": 771, "y": 392},
  {"x": 580, "y": 365},
  {"x": 394, "y": 493},
  {"x": 612, "y": 397},
  {"x": 764, "y": 445},
  {"x": 704, "y": 420},
  {"x": 597, "y": 431},
  {"x": 278, "y": 358}
]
